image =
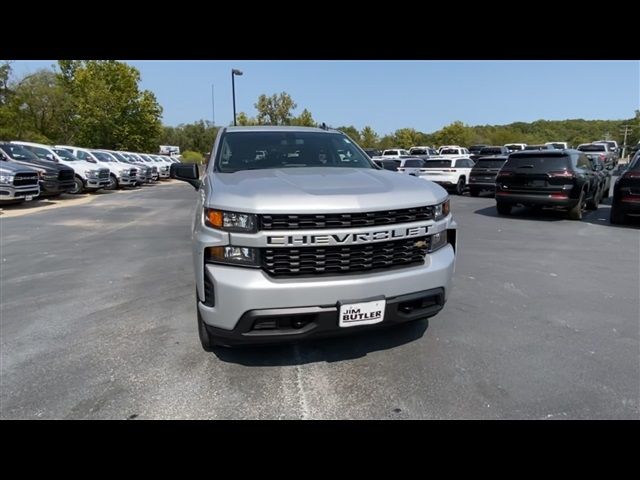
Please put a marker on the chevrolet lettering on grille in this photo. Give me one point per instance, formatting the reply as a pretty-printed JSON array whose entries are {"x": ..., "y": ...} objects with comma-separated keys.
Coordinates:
[{"x": 347, "y": 238}]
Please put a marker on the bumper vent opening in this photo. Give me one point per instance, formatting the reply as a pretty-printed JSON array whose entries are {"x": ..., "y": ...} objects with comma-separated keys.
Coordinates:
[{"x": 209, "y": 297}]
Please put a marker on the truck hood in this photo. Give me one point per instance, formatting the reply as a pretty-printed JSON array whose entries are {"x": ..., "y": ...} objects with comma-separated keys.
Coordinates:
[
  {"x": 81, "y": 165},
  {"x": 9, "y": 168},
  {"x": 319, "y": 190}
]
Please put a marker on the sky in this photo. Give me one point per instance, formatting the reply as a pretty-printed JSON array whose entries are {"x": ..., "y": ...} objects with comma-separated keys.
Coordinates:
[{"x": 388, "y": 95}]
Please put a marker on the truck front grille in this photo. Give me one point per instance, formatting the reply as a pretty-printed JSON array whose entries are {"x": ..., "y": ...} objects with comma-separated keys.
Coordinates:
[
  {"x": 345, "y": 220},
  {"x": 133, "y": 172},
  {"x": 66, "y": 174},
  {"x": 344, "y": 259},
  {"x": 22, "y": 179},
  {"x": 103, "y": 173}
]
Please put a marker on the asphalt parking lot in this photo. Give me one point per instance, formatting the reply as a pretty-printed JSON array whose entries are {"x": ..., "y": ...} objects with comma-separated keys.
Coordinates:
[{"x": 98, "y": 322}]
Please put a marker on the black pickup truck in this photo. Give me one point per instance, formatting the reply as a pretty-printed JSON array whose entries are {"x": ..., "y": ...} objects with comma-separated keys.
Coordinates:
[
  {"x": 563, "y": 179},
  {"x": 54, "y": 179}
]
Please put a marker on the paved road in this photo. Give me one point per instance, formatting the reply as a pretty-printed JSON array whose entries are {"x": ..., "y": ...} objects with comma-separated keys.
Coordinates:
[{"x": 98, "y": 321}]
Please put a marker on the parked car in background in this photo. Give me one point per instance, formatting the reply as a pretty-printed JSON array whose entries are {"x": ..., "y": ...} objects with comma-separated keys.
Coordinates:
[
  {"x": 612, "y": 145},
  {"x": 373, "y": 152},
  {"x": 626, "y": 193},
  {"x": 18, "y": 183},
  {"x": 454, "y": 152},
  {"x": 423, "y": 152},
  {"x": 558, "y": 145},
  {"x": 474, "y": 151},
  {"x": 539, "y": 147},
  {"x": 387, "y": 163},
  {"x": 496, "y": 150},
  {"x": 600, "y": 150},
  {"x": 163, "y": 165},
  {"x": 55, "y": 179},
  {"x": 483, "y": 174},
  {"x": 395, "y": 152},
  {"x": 119, "y": 174},
  {"x": 411, "y": 166},
  {"x": 143, "y": 173},
  {"x": 515, "y": 147},
  {"x": 603, "y": 173},
  {"x": 88, "y": 177},
  {"x": 561, "y": 179},
  {"x": 449, "y": 173}
]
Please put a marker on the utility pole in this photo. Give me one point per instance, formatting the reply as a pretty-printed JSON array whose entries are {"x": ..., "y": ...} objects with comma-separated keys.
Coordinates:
[
  {"x": 213, "y": 107},
  {"x": 624, "y": 142}
]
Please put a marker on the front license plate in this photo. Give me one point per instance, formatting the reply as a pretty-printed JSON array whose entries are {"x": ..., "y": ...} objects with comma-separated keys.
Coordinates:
[
  {"x": 365, "y": 313},
  {"x": 28, "y": 197}
]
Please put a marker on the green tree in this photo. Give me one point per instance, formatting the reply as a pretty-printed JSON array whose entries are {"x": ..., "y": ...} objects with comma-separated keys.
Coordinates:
[
  {"x": 305, "y": 119},
  {"x": 369, "y": 138},
  {"x": 457, "y": 133},
  {"x": 109, "y": 109},
  {"x": 243, "y": 119},
  {"x": 408, "y": 137},
  {"x": 352, "y": 132},
  {"x": 276, "y": 109},
  {"x": 190, "y": 156}
]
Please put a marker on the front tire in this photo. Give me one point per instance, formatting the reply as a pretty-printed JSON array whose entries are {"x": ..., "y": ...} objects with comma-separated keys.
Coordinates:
[
  {"x": 79, "y": 186},
  {"x": 113, "y": 183},
  {"x": 460, "y": 186}
]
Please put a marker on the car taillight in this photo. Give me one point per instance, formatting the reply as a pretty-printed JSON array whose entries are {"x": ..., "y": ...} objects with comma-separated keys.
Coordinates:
[
  {"x": 561, "y": 174},
  {"x": 631, "y": 174},
  {"x": 558, "y": 195}
]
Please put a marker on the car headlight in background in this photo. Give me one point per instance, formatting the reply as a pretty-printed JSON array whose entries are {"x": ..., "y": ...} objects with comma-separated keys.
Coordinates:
[
  {"x": 232, "y": 255},
  {"x": 441, "y": 210},
  {"x": 92, "y": 173},
  {"x": 230, "y": 221},
  {"x": 6, "y": 179}
]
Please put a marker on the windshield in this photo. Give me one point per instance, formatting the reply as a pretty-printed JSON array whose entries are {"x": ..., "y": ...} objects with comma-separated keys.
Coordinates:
[
  {"x": 18, "y": 153},
  {"x": 437, "y": 164},
  {"x": 390, "y": 152},
  {"x": 489, "y": 163},
  {"x": 592, "y": 148},
  {"x": 268, "y": 149},
  {"x": 102, "y": 156},
  {"x": 449, "y": 151},
  {"x": 64, "y": 154},
  {"x": 418, "y": 151},
  {"x": 491, "y": 151}
]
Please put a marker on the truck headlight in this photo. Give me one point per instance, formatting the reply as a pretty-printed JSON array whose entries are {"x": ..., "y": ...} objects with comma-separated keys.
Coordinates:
[
  {"x": 232, "y": 255},
  {"x": 92, "y": 173},
  {"x": 6, "y": 179},
  {"x": 441, "y": 210},
  {"x": 438, "y": 240},
  {"x": 230, "y": 221}
]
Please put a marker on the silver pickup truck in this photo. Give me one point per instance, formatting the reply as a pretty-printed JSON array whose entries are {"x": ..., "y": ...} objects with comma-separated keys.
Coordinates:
[
  {"x": 18, "y": 183},
  {"x": 298, "y": 234}
]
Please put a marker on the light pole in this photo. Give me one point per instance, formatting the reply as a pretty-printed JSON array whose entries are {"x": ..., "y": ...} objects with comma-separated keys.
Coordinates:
[{"x": 234, "y": 72}]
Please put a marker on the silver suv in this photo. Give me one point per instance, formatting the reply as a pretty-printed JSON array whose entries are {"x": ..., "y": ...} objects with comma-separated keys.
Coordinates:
[{"x": 298, "y": 234}]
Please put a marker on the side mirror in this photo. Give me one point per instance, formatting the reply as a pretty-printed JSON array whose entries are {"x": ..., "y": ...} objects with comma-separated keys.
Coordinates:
[
  {"x": 91, "y": 160},
  {"x": 50, "y": 157},
  {"x": 187, "y": 172}
]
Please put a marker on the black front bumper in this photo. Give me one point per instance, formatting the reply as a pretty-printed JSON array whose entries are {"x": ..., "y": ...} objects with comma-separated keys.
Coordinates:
[
  {"x": 52, "y": 187},
  {"x": 292, "y": 324}
]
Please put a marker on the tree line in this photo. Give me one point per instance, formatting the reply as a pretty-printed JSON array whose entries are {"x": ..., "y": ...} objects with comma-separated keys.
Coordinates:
[{"x": 99, "y": 104}]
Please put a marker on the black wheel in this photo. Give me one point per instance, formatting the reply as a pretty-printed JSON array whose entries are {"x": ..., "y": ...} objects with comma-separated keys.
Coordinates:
[
  {"x": 576, "y": 212},
  {"x": 474, "y": 192},
  {"x": 208, "y": 341},
  {"x": 503, "y": 208},
  {"x": 78, "y": 187},
  {"x": 113, "y": 183},
  {"x": 460, "y": 186},
  {"x": 617, "y": 217}
]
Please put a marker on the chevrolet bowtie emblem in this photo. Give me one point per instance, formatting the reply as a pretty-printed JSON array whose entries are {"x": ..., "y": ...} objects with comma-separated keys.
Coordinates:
[{"x": 420, "y": 244}]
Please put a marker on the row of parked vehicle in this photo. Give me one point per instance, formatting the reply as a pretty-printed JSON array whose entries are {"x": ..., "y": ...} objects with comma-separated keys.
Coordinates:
[
  {"x": 29, "y": 170},
  {"x": 551, "y": 175}
]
